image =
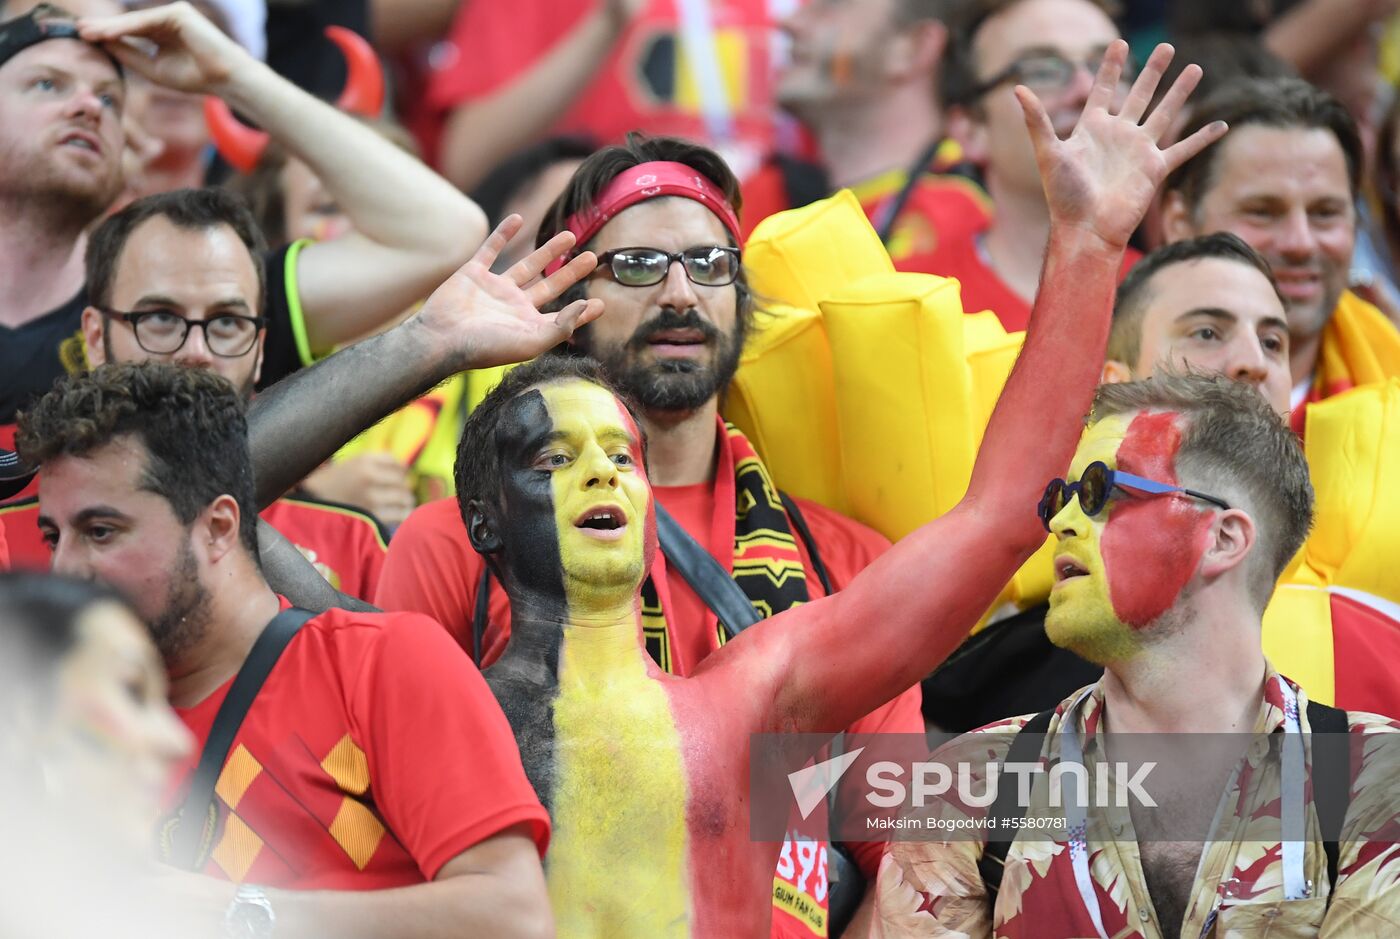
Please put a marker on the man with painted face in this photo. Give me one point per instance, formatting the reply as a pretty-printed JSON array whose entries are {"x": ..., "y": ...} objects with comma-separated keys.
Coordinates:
[
  {"x": 1286, "y": 180},
  {"x": 639, "y": 768},
  {"x": 678, "y": 311},
  {"x": 1185, "y": 500},
  {"x": 1209, "y": 304}
]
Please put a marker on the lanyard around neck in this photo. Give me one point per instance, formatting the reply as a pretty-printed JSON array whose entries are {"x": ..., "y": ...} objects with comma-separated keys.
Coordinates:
[{"x": 1292, "y": 816}]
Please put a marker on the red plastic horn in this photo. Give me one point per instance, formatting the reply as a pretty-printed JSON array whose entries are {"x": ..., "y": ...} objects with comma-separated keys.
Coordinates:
[{"x": 243, "y": 147}]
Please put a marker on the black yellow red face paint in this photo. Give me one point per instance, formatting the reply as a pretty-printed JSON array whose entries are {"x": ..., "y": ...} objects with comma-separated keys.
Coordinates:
[{"x": 1138, "y": 554}]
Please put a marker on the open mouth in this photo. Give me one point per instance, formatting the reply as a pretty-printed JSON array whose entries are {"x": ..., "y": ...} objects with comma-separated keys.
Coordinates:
[
  {"x": 81, "y": 141},
  {"x": 676, "y": 342},
  {"x": 605, "y": 522},
  {"x": 1068, "y": 569}
]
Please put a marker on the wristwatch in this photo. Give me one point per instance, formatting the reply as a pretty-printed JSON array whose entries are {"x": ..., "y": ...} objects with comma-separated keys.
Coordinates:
[{"x": 250, "y": 914}]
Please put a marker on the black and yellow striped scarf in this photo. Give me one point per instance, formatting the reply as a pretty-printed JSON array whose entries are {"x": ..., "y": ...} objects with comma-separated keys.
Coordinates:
[{"x": 767, "y": 562}]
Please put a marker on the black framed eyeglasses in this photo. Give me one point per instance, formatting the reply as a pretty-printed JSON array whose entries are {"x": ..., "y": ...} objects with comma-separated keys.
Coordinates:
[
  {"x": 1096, "y": 485},
  {"x": 707, "y": 266},
  {"x": 1050, "y": 73},
  {"x": 163, "y": 332}
]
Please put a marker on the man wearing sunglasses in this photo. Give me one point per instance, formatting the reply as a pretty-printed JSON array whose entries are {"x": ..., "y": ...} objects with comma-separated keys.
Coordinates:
[
  {"x": 1186, "y": 499},
  {"x": 1053, "y": 47}
]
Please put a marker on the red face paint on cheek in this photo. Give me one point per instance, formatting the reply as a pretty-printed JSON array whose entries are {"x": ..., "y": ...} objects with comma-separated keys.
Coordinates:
[{"x": 1151, "y": 546}]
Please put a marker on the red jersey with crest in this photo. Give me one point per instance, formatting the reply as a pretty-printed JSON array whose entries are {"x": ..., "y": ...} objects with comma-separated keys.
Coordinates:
[{"x": 372, "y": 756}]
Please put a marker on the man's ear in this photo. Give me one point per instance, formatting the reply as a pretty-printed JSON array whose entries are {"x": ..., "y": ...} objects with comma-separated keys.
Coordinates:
[
  {"x": 219, "y": 528},
  {"x": 916, "y": 52},
  {"x": 1176, "y": 220},
  {"x": 1232, "y": 538},
  {"x": 480, "y": 530},
  {"x": 970, "y": 133},
  {"x": 1115, "y": 373},
  {"x": 92, "y": 325}
]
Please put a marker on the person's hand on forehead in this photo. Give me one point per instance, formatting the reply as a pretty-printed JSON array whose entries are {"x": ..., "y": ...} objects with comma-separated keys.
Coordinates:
[{"x": 172, "y": 45}]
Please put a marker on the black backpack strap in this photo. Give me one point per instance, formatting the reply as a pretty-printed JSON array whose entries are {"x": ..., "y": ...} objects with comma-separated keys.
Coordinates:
[
  {"x": 800, "y": 523},
  {"x": 1331, "y": 776},
  {"x": 479, "y": 613},
  {"x": 706, "y": 576},
  {"x": 194, "y": 811},
  {"x": 1025, "y": 748}
]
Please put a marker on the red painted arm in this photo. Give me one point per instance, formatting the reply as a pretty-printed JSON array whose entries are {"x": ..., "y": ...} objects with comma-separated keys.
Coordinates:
[
  {"x": 906, "y": 612},
  {"x": 830, "y": 661}
]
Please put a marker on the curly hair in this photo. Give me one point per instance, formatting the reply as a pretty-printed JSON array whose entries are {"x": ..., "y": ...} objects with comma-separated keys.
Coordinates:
[
  {"x": 1232, "y": 443},
  {"x": 190, "y": 421}
]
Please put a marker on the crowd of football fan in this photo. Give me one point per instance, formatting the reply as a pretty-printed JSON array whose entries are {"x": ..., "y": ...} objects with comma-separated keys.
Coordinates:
[{"x": 393, "y": 467}]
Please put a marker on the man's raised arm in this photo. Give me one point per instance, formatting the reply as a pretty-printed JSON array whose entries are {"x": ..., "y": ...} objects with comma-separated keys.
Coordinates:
[
  {"x": 907, "y": 611},
  {"x": 476, "y": 319},
  {"x": 412, "y": 228}
]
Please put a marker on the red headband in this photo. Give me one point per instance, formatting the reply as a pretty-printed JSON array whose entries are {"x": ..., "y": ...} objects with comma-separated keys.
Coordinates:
[{"x": 649, "y": 181}]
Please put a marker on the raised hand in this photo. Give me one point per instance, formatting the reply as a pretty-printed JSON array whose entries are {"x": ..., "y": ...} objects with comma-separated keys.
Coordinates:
[
  {"x": 1103, "y": 178},
  {"x": 494, "y": 319},
  {"x": 190, "y": 53}
]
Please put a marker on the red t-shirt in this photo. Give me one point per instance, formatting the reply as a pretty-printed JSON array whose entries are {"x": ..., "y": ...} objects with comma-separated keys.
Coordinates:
[
  {"x": 433, "y": 569},
  {"x": 982, "y": 287},
  {"x": 643, "y": 84},
  {"x": 372, "y": 756},
  {"x": 342, "y": 543}
]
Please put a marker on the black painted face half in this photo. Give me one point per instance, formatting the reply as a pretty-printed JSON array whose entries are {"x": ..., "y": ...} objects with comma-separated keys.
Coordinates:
[{"x": 577, "y": 533}]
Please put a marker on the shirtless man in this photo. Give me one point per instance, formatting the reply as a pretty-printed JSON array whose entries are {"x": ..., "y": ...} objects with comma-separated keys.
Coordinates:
[{"x": 555, "y": 495}]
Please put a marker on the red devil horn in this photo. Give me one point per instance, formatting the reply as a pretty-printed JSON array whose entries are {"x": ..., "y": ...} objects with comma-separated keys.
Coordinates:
[
  {"x": 237, "y": 143},
  {"x": 364, "y": 76}
]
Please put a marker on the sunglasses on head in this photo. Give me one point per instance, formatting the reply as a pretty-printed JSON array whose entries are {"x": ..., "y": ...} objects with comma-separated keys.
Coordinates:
[
  {"x": 1096, "y": 485},
  {"x": 707, "y": 266}
]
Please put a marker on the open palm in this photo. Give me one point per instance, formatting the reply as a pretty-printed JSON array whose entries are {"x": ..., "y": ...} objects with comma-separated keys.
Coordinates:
[
  {"x": 1104, "y": 176},
  {"x": 494, "y": 319}
]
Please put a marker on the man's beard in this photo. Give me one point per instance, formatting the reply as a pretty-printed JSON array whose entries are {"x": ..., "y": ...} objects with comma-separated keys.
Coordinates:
[
  {"x": 671, "y": 384},
  {"x": 185, "y": 619},
  {"x": 61, "y": 200}
]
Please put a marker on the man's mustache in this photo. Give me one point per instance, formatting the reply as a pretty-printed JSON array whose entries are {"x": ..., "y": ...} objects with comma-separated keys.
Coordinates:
[{"x": 670, "y": 319}]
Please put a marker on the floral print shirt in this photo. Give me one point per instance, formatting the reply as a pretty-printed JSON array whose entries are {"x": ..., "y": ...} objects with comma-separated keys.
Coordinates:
[{"x": 934, "y": 888}]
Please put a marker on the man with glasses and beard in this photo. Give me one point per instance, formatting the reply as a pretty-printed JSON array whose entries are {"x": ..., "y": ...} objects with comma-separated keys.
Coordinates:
[{"x": 662, "y": 218}]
